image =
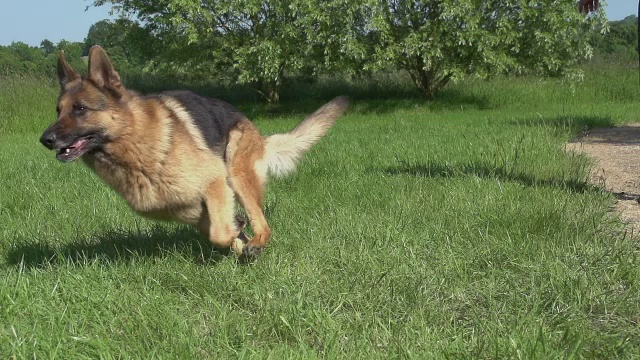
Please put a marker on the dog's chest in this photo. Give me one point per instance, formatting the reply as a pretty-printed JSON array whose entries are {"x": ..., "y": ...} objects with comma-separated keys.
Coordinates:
[{"x": 149, "y": 190}]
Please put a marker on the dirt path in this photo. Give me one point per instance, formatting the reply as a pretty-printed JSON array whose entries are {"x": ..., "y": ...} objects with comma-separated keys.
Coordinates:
[{"x": 616, "y": 152}]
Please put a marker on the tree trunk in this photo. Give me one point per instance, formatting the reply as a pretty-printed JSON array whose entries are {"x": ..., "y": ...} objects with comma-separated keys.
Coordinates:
[
  {"x": 270, "y": 90},
  {"x": 429, "y": 81},
  {"x": 274, "y": 96}
]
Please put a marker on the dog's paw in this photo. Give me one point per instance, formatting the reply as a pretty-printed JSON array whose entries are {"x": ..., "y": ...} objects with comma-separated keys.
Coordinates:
[
  {"x": 239, "y": 243},
  {"x": 237, "y": 246},
  {"x": 251, "y": 251}
]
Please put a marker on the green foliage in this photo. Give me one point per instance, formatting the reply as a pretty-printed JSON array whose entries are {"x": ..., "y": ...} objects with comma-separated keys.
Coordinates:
[
  {"x": 259, "y": 42},
  {"x": 268, "y": 45},
  {"x": 129, "y": 45},
  {"x": 618, "y": 39},
  {"x": 22, "y": 59},
  {"x": 252, "y": 42},
  {"x": 439, "y": 41},
  {"x": 47, "y": 46}
]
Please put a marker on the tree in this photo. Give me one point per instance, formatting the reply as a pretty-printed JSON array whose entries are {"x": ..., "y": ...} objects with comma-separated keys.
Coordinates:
[
  {"x": 618, "y": 38},
  {"x": 20, "y": 58},
  {"x": 101, "y": 33},
  {"x": 437, "y": 41},
  {"x": 11, "y": 61},
  {"x": 127, "y": 43},
  {"x": 72, "y": 52},
  {"x": 254, "y": 42},
  {"x": 259, "y": 42},
  {"x": 47, "y": 46}
]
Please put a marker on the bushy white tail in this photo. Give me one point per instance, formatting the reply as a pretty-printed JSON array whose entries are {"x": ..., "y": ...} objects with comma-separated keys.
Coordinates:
[{"x": 283, "y": 151}]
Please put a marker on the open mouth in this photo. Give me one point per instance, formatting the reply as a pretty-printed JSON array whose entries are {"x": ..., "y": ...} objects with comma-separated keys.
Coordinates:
[{"x": 75, "y": 150}]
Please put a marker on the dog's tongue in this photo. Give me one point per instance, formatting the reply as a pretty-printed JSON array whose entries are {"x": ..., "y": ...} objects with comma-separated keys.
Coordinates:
[
  {"x": 72, "y": 152},
  {"x": 78, "y": 144}
]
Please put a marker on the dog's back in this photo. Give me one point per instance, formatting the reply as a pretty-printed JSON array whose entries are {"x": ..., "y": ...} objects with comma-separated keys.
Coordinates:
[{"x": 212, "y": 117}]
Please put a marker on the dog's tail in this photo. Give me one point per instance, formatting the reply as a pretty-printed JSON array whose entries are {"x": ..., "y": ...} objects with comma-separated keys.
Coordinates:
[{"x": 284, "y": 151}]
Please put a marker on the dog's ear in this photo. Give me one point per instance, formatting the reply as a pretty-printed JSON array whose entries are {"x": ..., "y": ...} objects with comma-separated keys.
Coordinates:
[
  {"x": 65, "y": 73},
  {"x": 101, "y": 72}
]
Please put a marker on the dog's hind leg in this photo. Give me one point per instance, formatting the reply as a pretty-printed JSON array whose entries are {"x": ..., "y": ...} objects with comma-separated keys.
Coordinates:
[{"x": 218, "y": 221}]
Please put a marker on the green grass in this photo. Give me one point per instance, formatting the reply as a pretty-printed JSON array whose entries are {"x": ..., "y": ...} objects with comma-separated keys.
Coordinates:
[{"x": 453, "y": 229}]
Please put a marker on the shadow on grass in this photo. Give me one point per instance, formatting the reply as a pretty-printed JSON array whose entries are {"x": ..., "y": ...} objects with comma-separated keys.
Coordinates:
[
  {"x": 592, "y": 129},
  {"x": 487, "y": 171},
  {"x": 117, "y": 246},
  {"x": 620, "y": 135},
  {"x": 363, "y": 104},
  {"x": 299, "y": 99},
  {"x": 579, "y": 123}
]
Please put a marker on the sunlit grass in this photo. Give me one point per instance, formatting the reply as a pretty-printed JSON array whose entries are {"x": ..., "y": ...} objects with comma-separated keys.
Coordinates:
[{"x": 458, "y": 228}]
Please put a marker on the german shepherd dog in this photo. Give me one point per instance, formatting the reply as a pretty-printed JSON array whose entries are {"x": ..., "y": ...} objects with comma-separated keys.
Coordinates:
[{"x": 176, "y": 155}]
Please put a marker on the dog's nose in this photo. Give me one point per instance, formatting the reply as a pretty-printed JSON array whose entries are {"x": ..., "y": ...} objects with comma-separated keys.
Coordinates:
[{"x": 48, "y": 139}]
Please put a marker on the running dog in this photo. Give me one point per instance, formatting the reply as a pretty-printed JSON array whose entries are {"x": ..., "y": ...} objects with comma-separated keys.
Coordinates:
[{"x": 176, "y": 155}]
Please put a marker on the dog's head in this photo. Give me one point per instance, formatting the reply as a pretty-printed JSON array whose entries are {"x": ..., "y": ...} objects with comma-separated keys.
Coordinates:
[{"x": 90, "y": 109}]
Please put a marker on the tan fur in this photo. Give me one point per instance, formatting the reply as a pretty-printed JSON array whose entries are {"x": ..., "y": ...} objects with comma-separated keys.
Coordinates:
[
  {"x": 245, "y": 149},
  {"x": 159, "y": 162},
  {"x": 183, "y": 116},
  {"x": 217, "y": 220},
  {"x": 284, "y": 151},
  {"x": 156, "y": 167}
]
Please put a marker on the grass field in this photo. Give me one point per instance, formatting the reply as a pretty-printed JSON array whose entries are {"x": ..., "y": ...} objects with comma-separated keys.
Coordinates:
[{"x": 453, "y": 229}]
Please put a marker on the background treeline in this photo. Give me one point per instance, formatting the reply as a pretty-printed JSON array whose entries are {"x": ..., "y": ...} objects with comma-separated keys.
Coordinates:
[
  {"x": 125, "y": 41},
  {"x": 619, "y": 42},
  {"x": 268, "y": 47},
  {"x": 21, "y": 59}
]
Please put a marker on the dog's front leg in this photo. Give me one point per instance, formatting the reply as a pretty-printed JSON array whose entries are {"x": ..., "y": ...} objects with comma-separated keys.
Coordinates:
[{"x": 218, "y": 221}]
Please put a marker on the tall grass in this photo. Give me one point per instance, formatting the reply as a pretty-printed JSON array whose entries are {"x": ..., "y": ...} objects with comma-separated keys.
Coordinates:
[{"x": 453, "y": 229}]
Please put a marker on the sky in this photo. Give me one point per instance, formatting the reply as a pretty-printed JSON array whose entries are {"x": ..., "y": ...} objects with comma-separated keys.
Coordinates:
[{"x": 32, "y": 21}]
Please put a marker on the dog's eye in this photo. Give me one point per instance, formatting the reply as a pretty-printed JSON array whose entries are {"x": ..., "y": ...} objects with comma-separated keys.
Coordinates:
[{"x": 79, "y": 109}]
